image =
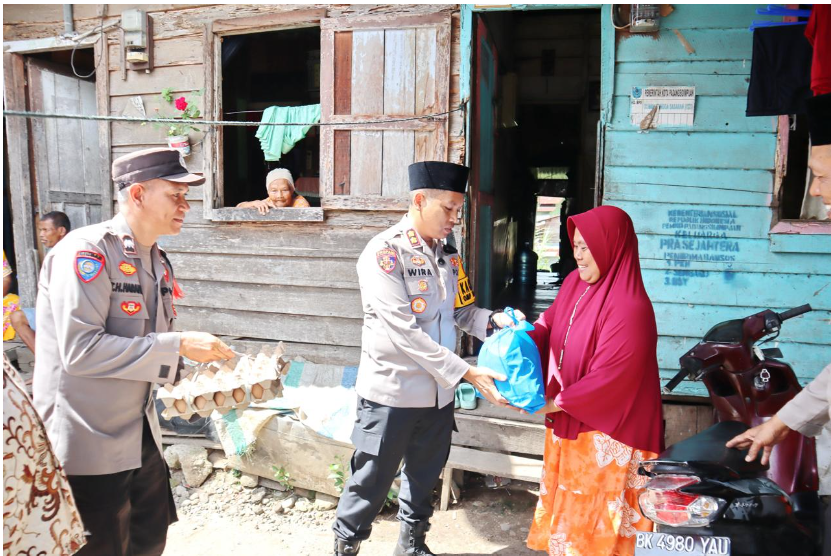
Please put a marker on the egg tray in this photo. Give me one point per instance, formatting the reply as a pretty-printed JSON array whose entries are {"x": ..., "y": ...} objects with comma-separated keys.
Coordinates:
[{"x": 226, "y": 385}]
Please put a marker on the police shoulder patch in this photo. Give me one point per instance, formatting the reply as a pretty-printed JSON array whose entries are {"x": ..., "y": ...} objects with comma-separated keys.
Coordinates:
[
  {"x": 418, "y": 305},
  {"x": 88, "y": 265},
  {"x": 387, "y": 259}
]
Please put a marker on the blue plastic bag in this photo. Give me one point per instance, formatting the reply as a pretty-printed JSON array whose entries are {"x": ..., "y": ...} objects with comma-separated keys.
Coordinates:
[{"x": 513, "y": 353}]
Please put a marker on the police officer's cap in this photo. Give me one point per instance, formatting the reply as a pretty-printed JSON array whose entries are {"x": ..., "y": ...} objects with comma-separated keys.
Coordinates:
[
  {"x": 438, "y": 175},
  {"x": 151, "y": 164}
]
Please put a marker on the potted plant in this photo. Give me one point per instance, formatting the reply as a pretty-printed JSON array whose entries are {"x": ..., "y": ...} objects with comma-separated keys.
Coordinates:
[{"x": 177, "y": 134}]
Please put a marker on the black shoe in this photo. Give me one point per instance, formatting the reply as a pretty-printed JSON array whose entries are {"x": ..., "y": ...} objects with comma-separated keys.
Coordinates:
[
  {"x": 346, "y": 548},
  {"x": 411, "y": 540}
]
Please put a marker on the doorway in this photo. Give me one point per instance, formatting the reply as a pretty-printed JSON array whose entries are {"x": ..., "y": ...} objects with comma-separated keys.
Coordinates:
[
  {"x": 535, "y": 90},
  {"x": 55, "y": 164}
]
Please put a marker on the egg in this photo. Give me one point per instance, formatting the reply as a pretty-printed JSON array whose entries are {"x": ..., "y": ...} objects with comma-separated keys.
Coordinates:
[
  {"x": 219, "y": 398},
  {"x": 200, "y": 402},
  {"x": 239, "y": 395},
  {"x": 180, "y": 406},
  {"x": 257, "y": 391}
]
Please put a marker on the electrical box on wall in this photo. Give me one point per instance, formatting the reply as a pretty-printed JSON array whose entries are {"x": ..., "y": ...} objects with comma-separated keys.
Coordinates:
[
  {"x": 645, "y": 18},
  {"x": 136, "y": 40}
]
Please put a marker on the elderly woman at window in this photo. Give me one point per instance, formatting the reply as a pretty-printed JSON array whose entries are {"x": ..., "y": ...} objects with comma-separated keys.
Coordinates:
[{"x": 281, "y": 193}]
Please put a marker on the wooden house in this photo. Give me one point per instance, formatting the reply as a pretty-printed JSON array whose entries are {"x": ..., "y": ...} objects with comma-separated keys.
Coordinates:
[{"x": 509, "y": 90}]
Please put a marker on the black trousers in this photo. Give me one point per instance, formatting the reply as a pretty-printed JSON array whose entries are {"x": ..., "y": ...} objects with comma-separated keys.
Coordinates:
[
  {"x": 127, "y": 513},
  {"x": 383, "y": 436}
]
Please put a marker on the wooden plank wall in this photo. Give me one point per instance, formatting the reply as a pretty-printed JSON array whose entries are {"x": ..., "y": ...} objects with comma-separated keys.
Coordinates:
[
  {"x": 278, "y": 281},
  {"x": 714, "y": 179}
]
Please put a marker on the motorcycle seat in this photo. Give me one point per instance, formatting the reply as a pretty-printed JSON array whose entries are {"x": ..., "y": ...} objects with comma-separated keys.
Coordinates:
[{"x": 706, "y": 453}]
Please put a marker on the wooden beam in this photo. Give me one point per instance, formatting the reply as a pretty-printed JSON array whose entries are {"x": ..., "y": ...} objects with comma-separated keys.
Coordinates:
[
  {"x": 218, "y": 133},
  {"x": 288, "y": 214},
  {"x": 273, "y": 326},
  {"x": 209, "y": 141},
  {"x": 364, "y": 122},
  {"x": 77, "y": 198},
  {"x": 387, "y": 21},
  {"x": 343, "y": 72},
  {"x": 170, "y": 438},
  {"x": 488, "y": 463},
  {"x": 304, "y": 454},
  {"x": 269, "y": 298},
  {"x": 364, "y": 202},
  {"x": 102, "y": 100},
  {"x": 295, "y": 239},
  {"x": 346, "y": 356},
  {"x": 327, "y": 109},
  {"x": 20, "y": 179},
  {"x": 607, "y": 64},
  {"x": 269, "y": 22},
  {"x": 50, "y": 44},
  {"x": 343, "y": 161},
  {"x": 499, "y": 434}
]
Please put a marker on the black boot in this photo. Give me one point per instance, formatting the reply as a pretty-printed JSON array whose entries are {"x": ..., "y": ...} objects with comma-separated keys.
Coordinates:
[
  {"x": 411, "y": 540},
  {"x": 346, "y": 548}
]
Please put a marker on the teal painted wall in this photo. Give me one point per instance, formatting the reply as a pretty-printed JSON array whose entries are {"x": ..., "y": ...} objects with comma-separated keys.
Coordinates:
[
  {"x": 722, "y": 168},
  {"x": 715, "y": 178}
]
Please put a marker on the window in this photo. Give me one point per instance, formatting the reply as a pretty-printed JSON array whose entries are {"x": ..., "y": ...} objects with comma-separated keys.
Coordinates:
[
  {"x": 252, "y": 63},
  {"x": 377, "y": 75},
  {"x": 261, "y": 70},
  {"x": 798, "y": 212}
]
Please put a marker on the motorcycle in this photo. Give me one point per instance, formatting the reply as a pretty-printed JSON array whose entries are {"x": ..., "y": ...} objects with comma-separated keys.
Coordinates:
[{"x": 703, "y": 497}]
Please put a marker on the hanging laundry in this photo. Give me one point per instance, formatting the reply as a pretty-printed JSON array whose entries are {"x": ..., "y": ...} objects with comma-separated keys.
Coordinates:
[
  {"x": 277, "y": 140},
  {"x": 818, "y": 33},
  {"x": 780, "y": 74}
]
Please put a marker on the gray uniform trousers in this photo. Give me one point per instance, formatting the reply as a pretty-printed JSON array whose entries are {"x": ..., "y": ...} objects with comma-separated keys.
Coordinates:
[{"x": 383, "y": 436}]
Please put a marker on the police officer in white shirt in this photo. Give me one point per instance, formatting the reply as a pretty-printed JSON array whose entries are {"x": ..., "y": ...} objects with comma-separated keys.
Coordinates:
[
  {"x": 414, "y": 293},
  {"x": 105, "y": 325}
]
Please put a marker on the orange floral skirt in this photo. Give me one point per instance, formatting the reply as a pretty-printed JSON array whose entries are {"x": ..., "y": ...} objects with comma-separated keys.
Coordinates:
[{"x": 589, "y": 497}]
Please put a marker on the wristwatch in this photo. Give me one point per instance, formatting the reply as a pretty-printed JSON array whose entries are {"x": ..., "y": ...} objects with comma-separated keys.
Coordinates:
[{"x": 492, "y": 326}]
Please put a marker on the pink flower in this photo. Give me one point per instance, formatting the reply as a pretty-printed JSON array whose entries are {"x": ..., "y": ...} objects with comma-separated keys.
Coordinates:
[{"x": 181, "y": 103}]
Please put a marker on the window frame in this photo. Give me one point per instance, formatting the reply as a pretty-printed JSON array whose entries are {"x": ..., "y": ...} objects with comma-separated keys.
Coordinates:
[
  {"x": 213, "y": 188},
  {"x": 779, "y": 226},
  {"x": 441, "y": 20}
]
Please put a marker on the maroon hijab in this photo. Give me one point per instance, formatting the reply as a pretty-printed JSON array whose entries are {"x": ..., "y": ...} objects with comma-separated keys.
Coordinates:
[{"x": 609, "y": 376}]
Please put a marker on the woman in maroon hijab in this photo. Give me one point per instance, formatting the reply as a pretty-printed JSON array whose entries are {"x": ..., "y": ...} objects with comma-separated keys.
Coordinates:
[{"x": 597, "y": 344}]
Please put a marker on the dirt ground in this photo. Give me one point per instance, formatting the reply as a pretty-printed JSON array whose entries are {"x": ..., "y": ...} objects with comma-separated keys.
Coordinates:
[{"x": 485, "y": 521}]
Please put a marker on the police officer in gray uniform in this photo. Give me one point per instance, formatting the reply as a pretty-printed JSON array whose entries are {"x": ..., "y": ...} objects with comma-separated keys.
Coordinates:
[
  {"x": 414, "y": 293},
  {"x": 105, "y": 317}
]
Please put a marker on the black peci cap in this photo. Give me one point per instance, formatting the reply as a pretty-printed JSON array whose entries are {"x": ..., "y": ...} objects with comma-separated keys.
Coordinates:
[
  {"x": 150, "y": 164},
  {"x": 438, "y": 175}
]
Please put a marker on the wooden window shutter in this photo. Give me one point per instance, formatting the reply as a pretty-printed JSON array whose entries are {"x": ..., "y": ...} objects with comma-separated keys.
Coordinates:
[{"x": 381, "y": 68}]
